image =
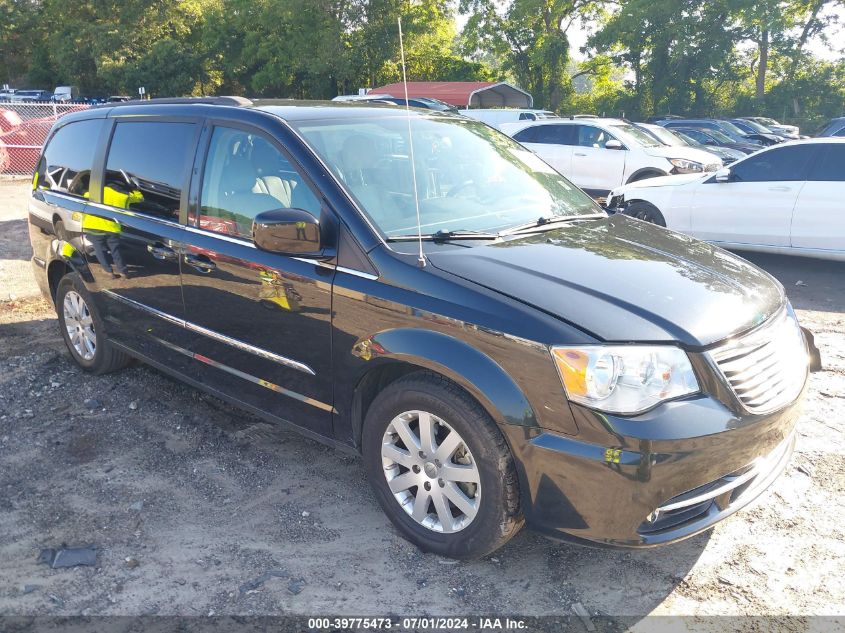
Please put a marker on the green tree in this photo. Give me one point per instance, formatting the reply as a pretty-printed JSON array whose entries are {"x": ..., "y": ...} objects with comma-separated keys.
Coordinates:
[{"x": 529, "y": 37}]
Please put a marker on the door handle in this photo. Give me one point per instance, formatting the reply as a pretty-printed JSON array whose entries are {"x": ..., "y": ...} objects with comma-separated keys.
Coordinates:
[
  {"x": 161, "y": 252},
  {"x": 579, "y": 154},
  {"x": 780, "y": 188},
  {"x": 200, "y": 262}
]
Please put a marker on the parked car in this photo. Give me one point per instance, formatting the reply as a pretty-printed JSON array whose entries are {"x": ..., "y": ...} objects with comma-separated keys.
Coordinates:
[
  {"x": 9, "y": 120},
  {"x": 23, "y": 143},
  {"x": 725, "y": 127},
  {"x": 773, "y": 125},
  {"x": 496, "y": 346},
  {"x": 425, "y": 103},
  {"x": 758, "y": 132},
  {"x": 497, "y": 117},
  {"x": 675, "y": 138},
  {"x": 600, "y": 154},
  {"x": 835, "y": 127},
  {"x": 711, "y": 137},
  {"x": 6, "y": 94},
  {"x": 662, "y": 117},
  {"x": 23, "y": 140},
  {"x": 31, "y": 95},
  {"x": 779, "y": 199},
  {"x": 65, "y": 94},
  {"x": 752, "y": 125}
]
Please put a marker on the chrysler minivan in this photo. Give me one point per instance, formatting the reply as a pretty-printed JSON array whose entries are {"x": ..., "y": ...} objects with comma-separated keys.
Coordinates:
[{"x": 418, "y": 288}]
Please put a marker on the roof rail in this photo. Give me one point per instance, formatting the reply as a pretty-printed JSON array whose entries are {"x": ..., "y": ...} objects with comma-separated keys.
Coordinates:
[{"x": 229, "y": 101}]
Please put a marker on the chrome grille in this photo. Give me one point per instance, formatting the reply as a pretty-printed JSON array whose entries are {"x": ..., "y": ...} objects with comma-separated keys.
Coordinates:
[{"x": 768, "y": 367}]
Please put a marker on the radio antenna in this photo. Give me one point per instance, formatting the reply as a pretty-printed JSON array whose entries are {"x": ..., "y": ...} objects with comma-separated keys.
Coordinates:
[{"x": 421, "y": 256}]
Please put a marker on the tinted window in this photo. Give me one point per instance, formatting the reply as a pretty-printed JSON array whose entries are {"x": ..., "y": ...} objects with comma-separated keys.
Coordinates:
[
  {"x": 548, "y": 134},
  {"x": 68, "y": 158},
  {"x": 528, "y": 135},
  {"x": 784, "y": 163},
  {"x": 840, "y": 132},
  {"x": 590, "y": 136},
  {"x": 831, "y": 165},
  {"x": 147, "y": 165},
  {"x": 246, "y": 175}
]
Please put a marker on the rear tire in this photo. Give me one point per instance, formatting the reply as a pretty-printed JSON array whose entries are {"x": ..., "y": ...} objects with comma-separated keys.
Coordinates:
[
  {"x": 646, "y": 212},
  {"x": 83, "y": 330},
  {"x": 451, "y": 490}
]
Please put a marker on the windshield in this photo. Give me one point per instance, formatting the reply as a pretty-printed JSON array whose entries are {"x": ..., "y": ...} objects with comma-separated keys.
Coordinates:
[
  {"x": 635, "y": 135},
  {"x": 731, "y": 130},
  {"x": 667, "y": 137},
  {"x": 718, "y": 135},
  {"x": 757, "y": 127},
  {"x": 469, "y": 177}
]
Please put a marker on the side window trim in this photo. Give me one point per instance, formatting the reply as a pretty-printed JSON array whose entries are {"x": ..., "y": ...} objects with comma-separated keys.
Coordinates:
[{"x": 186, "y": 176}]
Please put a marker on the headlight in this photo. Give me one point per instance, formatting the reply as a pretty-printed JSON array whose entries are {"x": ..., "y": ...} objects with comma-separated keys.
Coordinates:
[
  {"x": 683, "y": 166},
  {"x": 625, "y": 379}
]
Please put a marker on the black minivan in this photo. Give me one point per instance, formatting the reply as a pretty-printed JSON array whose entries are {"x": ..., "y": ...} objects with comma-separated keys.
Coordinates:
[{"x": 421, "y": 289}]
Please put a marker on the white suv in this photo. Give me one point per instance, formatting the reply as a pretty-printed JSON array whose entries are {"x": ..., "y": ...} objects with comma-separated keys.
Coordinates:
[{"x": 600, "y": 154}]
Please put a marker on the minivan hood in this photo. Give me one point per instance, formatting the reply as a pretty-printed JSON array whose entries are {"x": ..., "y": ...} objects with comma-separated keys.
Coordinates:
[
  {"x": 624, "y": 280},
  {"x": 679, "y": 151}
]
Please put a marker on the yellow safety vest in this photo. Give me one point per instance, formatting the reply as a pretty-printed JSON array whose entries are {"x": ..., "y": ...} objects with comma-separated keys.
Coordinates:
[
  {"x": 115, "y": 198},
  {"x": 100, "y": 225},
  {"x": 67, "y": 250}
]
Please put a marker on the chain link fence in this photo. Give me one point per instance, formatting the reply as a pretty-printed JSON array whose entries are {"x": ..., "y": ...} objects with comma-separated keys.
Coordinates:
[{"x": 23, "y": 129}]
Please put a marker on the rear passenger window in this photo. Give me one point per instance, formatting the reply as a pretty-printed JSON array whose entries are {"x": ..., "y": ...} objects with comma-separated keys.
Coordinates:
[
  {"x": 246, "y": 175},
  {"x": 528, "y": 135},
  {"x": 147, "y": 167},
  {"x": 831, "y": 165},
  {"x": 66, "y": 163},
  {"x": 548, "y": 134}
]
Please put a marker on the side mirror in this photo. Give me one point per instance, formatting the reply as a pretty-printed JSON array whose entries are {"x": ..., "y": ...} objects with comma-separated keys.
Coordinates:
[
  {"x": 287, "y": 231},
  {"x": 613, "y": 144},
  {"x": 723, "y": 175}
]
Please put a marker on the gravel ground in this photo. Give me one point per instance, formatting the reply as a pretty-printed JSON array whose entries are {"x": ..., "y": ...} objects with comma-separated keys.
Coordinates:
[{"x": 196, "y": 508}]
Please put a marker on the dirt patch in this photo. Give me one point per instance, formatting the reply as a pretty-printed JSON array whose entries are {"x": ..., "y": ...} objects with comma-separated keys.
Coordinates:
[{"x": 207, "y": 500}]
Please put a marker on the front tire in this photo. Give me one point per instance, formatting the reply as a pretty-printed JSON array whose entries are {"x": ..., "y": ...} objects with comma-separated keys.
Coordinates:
[
  {"x": 646, "y": 212},
  {"x": 83, "y": 331},
  {"x": 440, "y": 468}
]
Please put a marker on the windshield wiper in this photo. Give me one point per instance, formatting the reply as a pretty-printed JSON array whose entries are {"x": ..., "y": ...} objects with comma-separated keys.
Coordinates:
[
  {"x": 543, "y": 221},
  {"x": 443, "y": 236}
]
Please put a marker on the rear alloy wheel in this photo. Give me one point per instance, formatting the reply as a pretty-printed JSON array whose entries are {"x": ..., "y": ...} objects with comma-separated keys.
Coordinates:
[
  {"x": 79, "y": 325},
  {"x": 440, "y": 467},
  {"x": 83, "y": 331},
  {"x": 646, "y": 212}
]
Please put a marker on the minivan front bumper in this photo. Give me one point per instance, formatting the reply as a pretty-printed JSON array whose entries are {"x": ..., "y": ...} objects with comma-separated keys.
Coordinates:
[{"x": 652, "y": 480}]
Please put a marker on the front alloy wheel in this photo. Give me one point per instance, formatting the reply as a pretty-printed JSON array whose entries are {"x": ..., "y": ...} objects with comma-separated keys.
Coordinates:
[
  {"x": 440, "y": 467},
  {"x": 430, "y": 471}
]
